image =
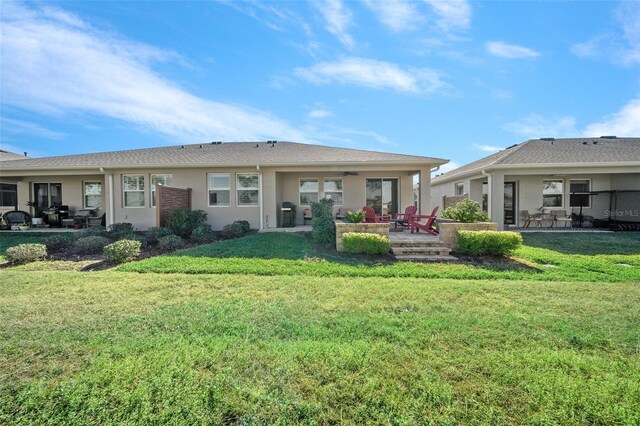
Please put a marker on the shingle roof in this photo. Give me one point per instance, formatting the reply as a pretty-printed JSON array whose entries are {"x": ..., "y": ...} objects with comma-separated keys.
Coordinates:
[
  {"x": 224, "y": 154},
  {"x": 550, "y": 151},
  {"x": 10, "y": 156}
]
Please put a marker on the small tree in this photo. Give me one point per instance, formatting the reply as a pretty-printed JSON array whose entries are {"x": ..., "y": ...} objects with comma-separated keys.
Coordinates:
[{"x": 322, "y": 227}]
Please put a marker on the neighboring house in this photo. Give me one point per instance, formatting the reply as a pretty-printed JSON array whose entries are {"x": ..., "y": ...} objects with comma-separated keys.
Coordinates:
[
  {"x": 560, "y": 175},
  {"x": 230, "y": 181}
]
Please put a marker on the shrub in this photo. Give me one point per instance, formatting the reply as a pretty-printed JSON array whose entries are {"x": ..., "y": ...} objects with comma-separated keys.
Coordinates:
[
  {"x": 356, "y": 242},
  {"x": 477, "y": 243},
  {"x": 25, "y": 253},
  {"x": 121, "y": 231},
  {"x": 57, "y": 242},
  {"x": 466, "y": 211},
  {"x": 183, "y": 221},
  {"x": 155, "y": 232},
  {"x": 97, "y": 231},
  {"x": 202, "y": 233},
  {"x": 122, "y": 251},
  {"x": 170, "y": 242},
  {"x": 323, "y": 229},
  {"x": 236, "y": 229},
  {"x": 90, "y": 245},
  {"x": 354, "y": 217}
]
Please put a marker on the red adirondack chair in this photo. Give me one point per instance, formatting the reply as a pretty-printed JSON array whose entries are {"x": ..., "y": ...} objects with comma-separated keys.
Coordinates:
[
  {"x": 403, "y": 219},
  {"x": 370, "y": 216},
  {"x": 424, "y": 222}
]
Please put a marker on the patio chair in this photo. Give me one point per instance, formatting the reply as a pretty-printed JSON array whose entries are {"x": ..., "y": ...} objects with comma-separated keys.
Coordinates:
[
  {"x": 527, "y": 218},
  {"x": 97, "y": 221},
  {"x": 424, "y": 222},
  {"x": 306, "y": 215},
  {"x": 342, "y": 213},
  {"x": 16, "y": 217},
  {"x": 402, "y": 219},
  {"x": 564, "y": 217},
  {"x": 370, "y": 216}
]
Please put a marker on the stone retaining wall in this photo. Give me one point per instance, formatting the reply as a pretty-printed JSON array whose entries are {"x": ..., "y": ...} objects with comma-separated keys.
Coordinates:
[
  {"x": 449, "y": 231},
  {"x": 362, "y": 228}
]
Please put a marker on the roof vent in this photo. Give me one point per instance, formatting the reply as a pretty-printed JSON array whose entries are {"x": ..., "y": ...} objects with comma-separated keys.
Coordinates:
[
  {"x": 181, "y": 146},
  {"x": 595, "y": 142},
  {"x": 257, "y": 145},
  {"x": 25, "y": 153},
  {"x": 200, "y": 147},
  {"x": 584, "y": 143},
  {"x": 512, "y": 146},
  {"x": 547, "y": 139},
  {"x": 608, "y": 137}
]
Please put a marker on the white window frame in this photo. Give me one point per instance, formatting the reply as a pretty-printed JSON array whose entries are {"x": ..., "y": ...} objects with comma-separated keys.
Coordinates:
[
  {"x": 84, "y": 193},
  {"x": 209, "y": 189},
  {"x": 152, "y": 186},
  {"x": 561, "y": 206},
  {"x": 317, "y": 191},
  {"x": 341, "y": 191},
  {"x": 238, "y": 189},
  {"x": 124, "y": 191},
  {"x": 588, "y": 198},
  {"x": 456, "y": 186}
]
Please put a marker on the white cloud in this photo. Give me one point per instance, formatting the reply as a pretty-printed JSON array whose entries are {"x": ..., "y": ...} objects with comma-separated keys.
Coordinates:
[
  {"x": 511, "y": 51},
  {"x": 536, "y": 126},
  {"x": 397, "y": 15},
  {"x": 453, "y": 14},
  {"x": 487, "y": 148},
  {"x": 338, "y": 20},
  {"x": 10, "y": 125},
  {"x": 625, "y": 122},
  {"x": 622, "y": 45},
  {"x": 374, "y": 74},
  {"x": 451, "y": 165},
  {"x": 320, "y": 113},
  {"x": 54, "y": 63}
]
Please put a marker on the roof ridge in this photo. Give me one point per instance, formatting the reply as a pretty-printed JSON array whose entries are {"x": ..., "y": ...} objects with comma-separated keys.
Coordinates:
[{"x": 512, "y": 149}]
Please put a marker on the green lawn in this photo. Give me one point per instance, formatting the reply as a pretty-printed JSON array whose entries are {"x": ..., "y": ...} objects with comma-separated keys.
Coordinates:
[
  {"x": 112, "y": 347},
  {"x": 271, "y": 329},
  {"x": 293, "y": 254}
]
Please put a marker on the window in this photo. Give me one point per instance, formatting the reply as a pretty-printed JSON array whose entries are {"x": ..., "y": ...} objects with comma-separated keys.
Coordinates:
[
  {"x": 459, "y": 188},
  {"x": 133, "y": 190},
  {"x": 552, "y": 193},
  {"x": 579, "y": 200},
  {"x": 92, "y": 192},
  {"x": 47, "y": 194},
  {"x": 333, "y": 190},
  {"x": 219, "y": 189},
  {"x": 8, "y": 195},
  {"x": 308, "y": 191},
  {"x": 162, "y": 180},
  {"x": 247, "y": 189}
]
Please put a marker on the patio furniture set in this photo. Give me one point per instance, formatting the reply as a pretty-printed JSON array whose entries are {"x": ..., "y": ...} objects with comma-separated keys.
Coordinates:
[
  {"x": 407, "y": 220},
  {"x": 546, "y": 217}
]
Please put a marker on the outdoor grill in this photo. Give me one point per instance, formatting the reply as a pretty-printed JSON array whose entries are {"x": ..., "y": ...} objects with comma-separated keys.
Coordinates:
[
  {"x": 288, "y": 214},
  {"x": 54, "y": 215}
]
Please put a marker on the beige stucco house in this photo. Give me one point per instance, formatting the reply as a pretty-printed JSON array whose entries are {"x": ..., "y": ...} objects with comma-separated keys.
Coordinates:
[
  {"x": 230, "y": 181},
  {"x": 601, "y": 175}
]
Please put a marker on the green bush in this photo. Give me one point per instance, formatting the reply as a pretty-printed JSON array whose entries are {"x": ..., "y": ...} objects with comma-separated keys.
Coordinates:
[
  {"x": 25, "y": 253},
  {"x": 466, "y": 211},
  {"x": 357, "y": 242},
  {"x": 236, "y": 229},
  {"x": 97, "y": 231},
  {"x": 183, "y": 221},
  {"x": 354, "y": 217},
  {"x": 90, "y": 245},
  {"x": 152, "y": 234},
  {"x": 58, "y": 242},
  {"x": 122, "y": 251},
  {"x": 323, "y": 229},
  {"x": 478, "y": 243},
  {"x": 170, "y": 242},
  {"x": 121, "y": 231},
  {"x": 202, "y": 234}
]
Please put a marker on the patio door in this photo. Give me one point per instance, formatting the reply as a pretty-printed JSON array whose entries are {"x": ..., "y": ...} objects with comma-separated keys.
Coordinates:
[
  {"x": 47, "y": 194},
  {"x": 382, "y": 195},
  {"x": 510, "y": 203}
]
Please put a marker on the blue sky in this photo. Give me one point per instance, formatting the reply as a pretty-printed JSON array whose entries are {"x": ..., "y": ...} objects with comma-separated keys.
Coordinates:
[{"x": 450, "y": 79}]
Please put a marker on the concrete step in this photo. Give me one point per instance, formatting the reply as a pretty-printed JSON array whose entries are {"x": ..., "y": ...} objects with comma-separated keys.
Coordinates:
[
  {"x": 426, "y": 258},
  {"x": 421, "y": 250},
  {"x": 426, "y": 243}
]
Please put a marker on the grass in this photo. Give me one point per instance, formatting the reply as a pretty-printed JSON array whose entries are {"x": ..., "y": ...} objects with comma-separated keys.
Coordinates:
[
  {"x": 111, "y": 347},
  {"x": 293, "y": 254},
  {"x": 11, "y": 239},
  {"x": 587, "y": 243}
]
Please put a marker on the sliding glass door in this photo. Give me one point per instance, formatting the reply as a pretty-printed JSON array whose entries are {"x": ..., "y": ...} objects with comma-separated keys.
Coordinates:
[{"x": 382, "y": 195}]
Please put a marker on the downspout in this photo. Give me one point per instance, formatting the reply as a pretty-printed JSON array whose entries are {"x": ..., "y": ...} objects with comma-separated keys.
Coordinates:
[
  {"x": 261, "y": 196},
  {"x": 111, "y": 216}
]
